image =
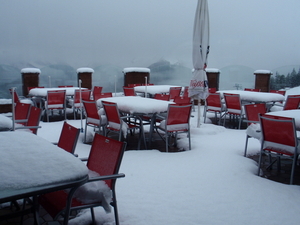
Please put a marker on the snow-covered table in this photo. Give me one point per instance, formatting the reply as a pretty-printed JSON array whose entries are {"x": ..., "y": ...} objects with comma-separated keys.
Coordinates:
[
  {"x": 31, "y": 165},
  {"x": 153, "y": 89},
  {"x": 251, "y": 96},
  {"x": 294, "y": 113},
  {"x": 42, "y": 92}
]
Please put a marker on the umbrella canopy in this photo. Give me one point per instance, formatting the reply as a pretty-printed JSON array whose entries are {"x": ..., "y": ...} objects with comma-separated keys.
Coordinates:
[{"x": 198, "y": 88}]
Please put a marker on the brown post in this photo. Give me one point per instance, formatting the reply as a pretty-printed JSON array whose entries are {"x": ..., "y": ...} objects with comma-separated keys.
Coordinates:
[
  {"x": 85, "y": 75},
  {"x": 213, "y": 77},
  {"x": 136, "y": 75},
  {"x": 262, "y": 80},
  {"x": 30, "y": 78}
]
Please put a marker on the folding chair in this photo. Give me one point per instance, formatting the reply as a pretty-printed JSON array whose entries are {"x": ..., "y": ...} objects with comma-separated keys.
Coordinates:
[
  {"x": 68, "y": 138},
  {"x": 33, "y": 120},
  {"x": 177, "y": 121},
  {"x": 292, "y": 102},
  {"x": 129, "y": 91},
  {"x": 233, "y": 107},
  {"x": 253, "y": 89},
  {"x": 92, "y": 117},
  {"x": 174, "y": 91},
  {"x": 75, "y": 102},
  {"x": 97, "y": 90},
  {"x": 56, "y": 100},
  {"x": 104, "y": 160},
  {"x": 252, "y": 112},
  {"x": 213, "y": 104},
  {"x": 122, "y": 124},
  {"x": 279, "y": 139}
]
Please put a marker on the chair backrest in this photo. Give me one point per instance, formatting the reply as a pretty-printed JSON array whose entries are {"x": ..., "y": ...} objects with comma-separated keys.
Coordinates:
[
  {"x": 252, "y": 112},
  {"x": 252, "y": 89},
  {"x": 213, "y": 102},
  {"x": 233, "y": 103},
  {"x": 34, "y": 118},
  {"x": 106, "y": 156},
  {"x": 162, "y": 97},
  {"x": 112, "y": 114},
  {"x": 56, "y": 99},
  {"x": 278, "y": 92},
  {"x": 182, "y": 100},
  {"x": 22, "y": 112},
  {"x": 15, "y": 95},
  {"x": 68, "y": 137},
  {"x": 178, "y": 117},
  {"x": 212, "y": 90},
  {"x": 174, "y": 91},
  {"x": 128, "y": 91},
  {"x": 292, "y": 102},
  {"x": 97, "y": 90},
  {"x": 91, "y": 111},
  {"x": 85, "y": 95},
  {"x": 279, "y": 134}
]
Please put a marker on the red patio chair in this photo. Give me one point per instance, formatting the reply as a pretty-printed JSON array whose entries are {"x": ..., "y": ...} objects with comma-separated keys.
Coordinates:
[
  {"x": 213, "y": 104},
  {"x": 18, "y": 98},
  {"x": 75, "y": 102},
  {"x": 96, "y": 92},
  {"x": 177, "y": 121},
  {"x": 56, "y": 100},
  {"x": 279, "y": 139},
  {"x": 129, "y": 91},
  {"x": 93, "y": 118},
  {"x": 182, "y": 100},
  {"x": 253, "y": 89},
  {"x": 174, "y": 91},
  {"x": 68, "y": 138},
  {"x": 162, "y": 97},
  {"x": 33, "y": 121},
  {"x": 22, "y": 112},
  {"x": 292, "y": 102},
  {"x": 122, "y": 124},
  {"x": 252, "y": 112},
  {"x": 104, "y": 159},
  {"x": 233, "y": 107},
  {"x": 278, "y": 92}
]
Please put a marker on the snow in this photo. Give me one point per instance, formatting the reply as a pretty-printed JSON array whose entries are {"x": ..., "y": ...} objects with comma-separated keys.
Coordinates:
[
  {"x": 212, "y": 70},
  {"x": 211, "y": 184},
  {"x": 31, "y": 70},
  {"x": 136, "y": 69},
  {"x": 263, "y": 72},
  {"x": 85, "y": 70},
  {"x": 43, "y": 91},
  {"x": 153, "y": 89}
]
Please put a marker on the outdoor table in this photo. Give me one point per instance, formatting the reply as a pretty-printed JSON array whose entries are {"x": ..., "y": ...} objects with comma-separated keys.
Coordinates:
[
  {"x": 42, "y": 92},
  {"x": 257, "y": 97},
  {"x": 294, "y": 113},
  {"x": 139, "y": 106},
  {"x": 30, "y": 166},
  {"x": 153, "y": 89}
]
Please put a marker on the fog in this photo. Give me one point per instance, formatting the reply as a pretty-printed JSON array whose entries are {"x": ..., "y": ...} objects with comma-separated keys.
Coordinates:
[{"x": 116, "y": 34}]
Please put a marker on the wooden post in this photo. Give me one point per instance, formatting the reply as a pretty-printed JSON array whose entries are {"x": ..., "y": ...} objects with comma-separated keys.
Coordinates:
[
  {"x": 262, "y": 80},
  {"x": 85, "y": 75}
]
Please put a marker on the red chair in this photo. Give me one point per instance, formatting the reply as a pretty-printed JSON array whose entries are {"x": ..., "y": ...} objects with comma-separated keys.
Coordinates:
[
  {"x": 56, "y": 100},
  {"x": 179, "y": 100},
  {"x": 252, "y": 89},
  {"x": 279, "y": 139},
  {"x": 33, "y": 121},
  {"x": 177, "y": 121},
  {"x": 278, "y": 92},
  {"x": 162, "y": 97},
  {"x": 104, "y": 160},
  {"x": 292, "y": 102},
  {"x": 64, "y": 86},
  {"x": 75, "y": 102},
  {"x": 233, "y": 107},
  {"x": 213, "y": 104},
  {"x": 92, "y": 117},
  {"x": 174, "y": 91},
  {"x": 18, "y": 98},
  {"x": 22, "y": 112},
  {"x": 129, "y": 91},
  {"x": 96, "y": 92},
  {"x": 68, "y": 138},
  {"x": 252, "y": 112},
  {"x": 122, "y": 124}
]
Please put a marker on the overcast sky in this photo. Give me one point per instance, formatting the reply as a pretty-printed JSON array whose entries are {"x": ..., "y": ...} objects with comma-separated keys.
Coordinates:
[{"x": 254, "y": 33}]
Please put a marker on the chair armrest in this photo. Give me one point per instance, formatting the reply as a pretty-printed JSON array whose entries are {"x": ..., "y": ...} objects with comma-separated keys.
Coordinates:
[
  {"x": 107, "y": 177},
  {"x": 84, "y": 159},
  {"x": 28, "y": 127}
]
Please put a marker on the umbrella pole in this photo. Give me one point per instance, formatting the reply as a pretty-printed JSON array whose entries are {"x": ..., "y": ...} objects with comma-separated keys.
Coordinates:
[{"x": 199, "y": 113}]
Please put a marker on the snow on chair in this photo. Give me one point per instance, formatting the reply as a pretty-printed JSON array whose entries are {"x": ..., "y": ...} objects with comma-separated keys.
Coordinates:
[
  {"x": 252, "y": 112},
  {"x": 103, "y": 163},
  {"x": 176, "y": 121},
  {"x": 56, "y": 100},
  {"x": 279, "y": 139}
]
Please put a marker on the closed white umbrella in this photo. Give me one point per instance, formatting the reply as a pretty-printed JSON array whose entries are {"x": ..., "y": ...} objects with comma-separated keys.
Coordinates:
[{"x": 198, "y": 88}]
